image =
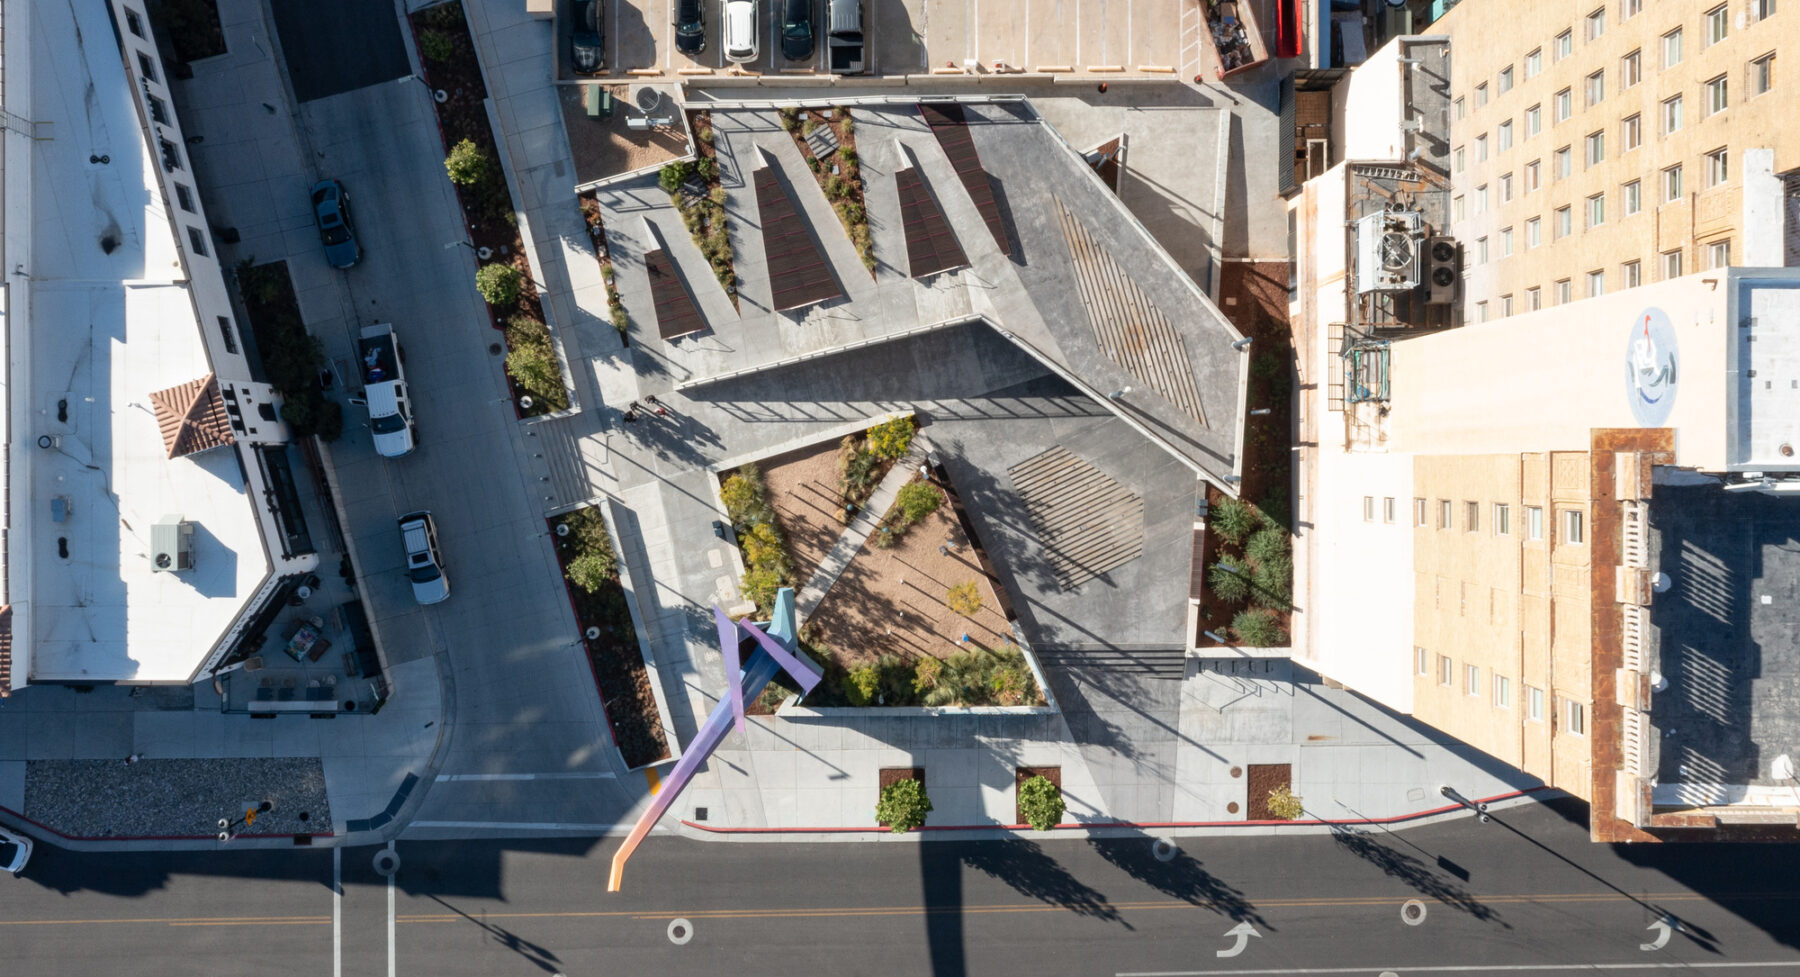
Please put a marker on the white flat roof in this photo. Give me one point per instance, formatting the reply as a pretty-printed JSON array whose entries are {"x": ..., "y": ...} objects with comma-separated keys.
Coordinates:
[{"x": 105, "y": 331}]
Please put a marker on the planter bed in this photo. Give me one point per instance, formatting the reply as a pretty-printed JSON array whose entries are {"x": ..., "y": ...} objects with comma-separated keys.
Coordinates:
[
  {"x": 487, "y": 204},
  {"x": 840, "y": 175},
  {"x": 616, "y": 657},
  {"x": 695, "y": 192},
  {"x": 590, "y": 210},
  {"x": 291, "y": 357}
]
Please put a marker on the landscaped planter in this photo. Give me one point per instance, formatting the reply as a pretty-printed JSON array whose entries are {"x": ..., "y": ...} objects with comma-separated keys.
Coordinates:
[
  {"x": 615, "y": 306},
  {"x": 1022, "y": 774},
  {"x": 535, "y": 366},
  {"x": 645, "y": 654},
  {"x": 839, "y": 174}
]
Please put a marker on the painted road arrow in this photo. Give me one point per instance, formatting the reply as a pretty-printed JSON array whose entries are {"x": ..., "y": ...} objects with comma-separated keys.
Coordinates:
[
  {"x": 1662, "y": 936},
  {"x": 1243, "y": 932}
]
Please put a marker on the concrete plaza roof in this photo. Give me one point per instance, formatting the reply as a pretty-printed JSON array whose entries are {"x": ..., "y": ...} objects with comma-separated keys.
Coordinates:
[
  {"x": 100, "y": 319},
  {"x": 1086, "y": 290}
]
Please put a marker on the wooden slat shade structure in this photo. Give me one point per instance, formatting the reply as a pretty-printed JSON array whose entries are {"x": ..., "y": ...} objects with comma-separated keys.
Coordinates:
[
  {"x": 931, "y": 245},
  {"x": 799, "y": 275},
  {"x": 952, "y": 130},
  {"x": 676, "y": 313}
]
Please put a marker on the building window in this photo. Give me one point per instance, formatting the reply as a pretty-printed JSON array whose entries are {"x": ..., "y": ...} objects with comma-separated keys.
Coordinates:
[
  {"x": 1534, "y": 299},
  {"x": 1596, "y": 283},
  {"x": 1368, "y": 508},
  {"x": 1506, "y": 245},
  {"x": 1534, "y": 699},
  {"x": 1630, "y": 8},
  {"x": 229, "y": 334},
  {"x": 184, "y": 197},
  {"x": 1631, "y": 274},
  {"x": 159, "y": 111},
  {"x": 1565, "y": 291},
  {"x": 146, "y": 67},
  {"x": 1472, "y": 516},
  {"x": 1420, "y": 664},
  {"x": 1459, "y": 159},
  {"x": 1506, "y": 306},
  {"x": 1633, "y": 195},
  {"x": 1564, "y": 45},
  {"x": 1533, "y": 176},
  {"x": 1762, "y": 75},
  {"x": 1419, "y": 513},
  {"x": 1565, "y": 104},
  {"x": 1472, "y": 679},
  {"x": 1574, "y": 527},
  {"x": 1671, "y": 264},
  {"x": 171, "y": 155},
  {"x": 1671, "y": 181},
  {"x": 1459, "y": 110},
  {"x": 1444, "y": 671},
  {"x": 1534, "y": 522},
  {"x": 1577, "y": 718},
  {"x": 1718, "y": 24},
  {"x": 1718, "y": 255},
  {"x": 1502, "y": 692},
  {"x": 1631, "y": 69},
  {"x": 1534, "y": 120},
  {"x": 1506, "y": 188},
  {"x": 1671, "y": 48},
  {"x": 1718, "y": 168},
  {"x": 1718, "y": 98},
  {"x": 1481, "y": 94},
  {"x": 1631, "y": 132},
  {"x": 197, "y": 241},
  {"x": 1443, "y": 514},
  {"x": 1762, "y": 9},
  {"x": 1481, "y": 311},
  {"x": 1481, "y": 148},
  {"x": 1387, "y": 509},
  {"x": 1503, "y": 136},
  {"x": 1506, "y": 79},
  {"x": 133, "y": 22},
  {"x": 1481, "y": 197},
  {"x": 1481, "y": 255},
  {"x": 1502, "y": 519},
  {"x": 1458, "y": 210},
  {"x": 1596, "y": 147},
  {"x": 1534, "y": 62},
  {"x": 1562, "y": 164},
  {"x": 1596, "y": 210},
  {"x": 1595, "y": 89},
  {"x": 1671, "y": 115},
  {"x": 1596, "y": 24},
  {"x": 1564, "y": 223}
]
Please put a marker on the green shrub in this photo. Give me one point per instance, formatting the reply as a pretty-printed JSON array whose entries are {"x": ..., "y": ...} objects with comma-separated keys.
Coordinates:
[
  {"x": 533, "y": 366},
  {"x": 1274, "y": 507},
  {"x": 856, "y": 469},
  {"x": 892, "y": 438},
  {"x": 903, "y": 806},
  {"x": 619, "y": 320},
  {"x": 926, "y": 672},
  {"x": 1284, "y": 805},
  {"x": 705, "y": 135},
  {"x": 591, "y": 571},
  {"x": 812, "y": 163},
  {"x": 836, "y": 187},
  {"x": 717, "y": 195},
  {"x": 467, "y": 164},
  {"x": 762, "y": 547},
  {"x": 916, "y": 500},
  {"x": 1258, "y": 629},
  {"x": 772, "y": 697},
  {"x": 848, "y": 123},
  {"x": 965, "y": 598},
  {"x": 809, "y": 127},
  {"x": 790, "y": 117},
  {"x": 1008, "y": 676},
  {"x": 1040, "y": 801},
  {"x": 1272, "y": 584},
  {"x": 744, "y": 495},
  {"x": 1267, "y": 544},
  {"x": 864, "y": 682},
  {"x": 706, "y": 169},
  {"x": 848, "y": 155},
  {"x": 759, "y": 586},
  {"x": 499, "y": 284},
  {"x": 1233, "y": 519},
  {"x": 434, "y": 45},
  {"x": 674, "y": 174},
  {"x": 1226, "y": 585}
]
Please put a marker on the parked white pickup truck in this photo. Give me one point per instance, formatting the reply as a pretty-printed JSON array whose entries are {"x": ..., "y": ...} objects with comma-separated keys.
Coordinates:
[{"x": 384, "y": 391}]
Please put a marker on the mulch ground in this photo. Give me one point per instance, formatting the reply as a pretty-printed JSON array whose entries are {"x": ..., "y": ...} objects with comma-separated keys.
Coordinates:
[
  {"x": 803, "y": 488},
  {"x": 1265, "y": 777}
]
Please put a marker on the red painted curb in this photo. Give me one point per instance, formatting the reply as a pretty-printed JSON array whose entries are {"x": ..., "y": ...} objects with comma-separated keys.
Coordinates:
[
  {"x": 1396, "y": 819},
  {"x": 103, "y": 838}
]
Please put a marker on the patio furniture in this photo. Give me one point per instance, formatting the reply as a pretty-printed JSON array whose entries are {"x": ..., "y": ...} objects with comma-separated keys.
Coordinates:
[{"x": 302, "y": 636}]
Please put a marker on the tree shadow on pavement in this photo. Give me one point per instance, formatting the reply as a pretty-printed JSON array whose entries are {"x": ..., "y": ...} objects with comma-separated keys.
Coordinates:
[
  {"x": 1032, "y": 873},
  {"x": 1421, "y": 877},
  {"x": 1181, "y": 877},
  {"x": 539, "y": 955}
]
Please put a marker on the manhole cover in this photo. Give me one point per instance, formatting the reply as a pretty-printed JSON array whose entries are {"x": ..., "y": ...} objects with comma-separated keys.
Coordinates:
[
  {"x": 387, "y": 862},
  {"x": 680, "y": 931},
  {"x": 1164, "y": 850},
  {"x": 1412, "y": 912}
]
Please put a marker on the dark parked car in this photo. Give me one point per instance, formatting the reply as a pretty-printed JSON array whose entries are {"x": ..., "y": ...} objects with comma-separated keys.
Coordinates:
[
  {"x": 797, "y": 29},
  {"x": 587, "y": 45},
  {"x": 331, "y": 208},
  {"x": 690, "y": 27}
]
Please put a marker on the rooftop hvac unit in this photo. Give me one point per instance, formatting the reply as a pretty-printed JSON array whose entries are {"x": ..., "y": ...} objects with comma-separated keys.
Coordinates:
[
  {"x": 1387, "y": 251},
  {"x": 1444, "y": 268},
  {"x": 172, "y": 545}
]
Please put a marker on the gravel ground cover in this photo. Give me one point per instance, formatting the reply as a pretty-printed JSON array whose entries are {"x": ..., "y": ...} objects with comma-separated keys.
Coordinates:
[{"x": 164, "y": 798}]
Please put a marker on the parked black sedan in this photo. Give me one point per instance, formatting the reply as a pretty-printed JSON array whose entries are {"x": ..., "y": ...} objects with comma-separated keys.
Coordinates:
[
  {"x": 797, "y": 29},
  {"x": 587, "y": 46}
]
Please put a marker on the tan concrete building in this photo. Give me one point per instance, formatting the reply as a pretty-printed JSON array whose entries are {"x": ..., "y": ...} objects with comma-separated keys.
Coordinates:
[{"x": 1598, "y": 146}]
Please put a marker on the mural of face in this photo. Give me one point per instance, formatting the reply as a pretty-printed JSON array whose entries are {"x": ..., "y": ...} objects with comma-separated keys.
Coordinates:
[{"x": 1650, "y": 367}]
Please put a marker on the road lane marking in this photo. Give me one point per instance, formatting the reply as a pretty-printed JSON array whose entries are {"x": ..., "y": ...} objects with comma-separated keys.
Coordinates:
[
  {"x": 1511, "y": 968},
  {"x": 452, "y": 778},
  {"x": 1243, "y": 931},
  {"x": 1662, "y": 938},
  {"x": 337, "y": 912}
]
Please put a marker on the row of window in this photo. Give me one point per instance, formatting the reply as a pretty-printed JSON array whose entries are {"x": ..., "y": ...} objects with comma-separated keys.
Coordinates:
[
  {"x": 1573, "y": 520},
  {"x": 1714, "y": 254},
  {"x": 1500, "y": 690},
  {"x": 1631, "y": 200},
  {"x": 1716, "y": 26}
]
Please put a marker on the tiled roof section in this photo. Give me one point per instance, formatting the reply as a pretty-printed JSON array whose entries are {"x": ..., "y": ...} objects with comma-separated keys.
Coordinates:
[
  {"x": 1087, "y": 521},
  {"x": 676, "y": 314},
  {"x": 1129, "y": 328},
  {"x": 192, "y": 417},
  {"x": 5, "y": 650},
  {"x": 931, "y": 245},
  {"x": 952, "y": 130},
  {"x": 798, "y": 272}
]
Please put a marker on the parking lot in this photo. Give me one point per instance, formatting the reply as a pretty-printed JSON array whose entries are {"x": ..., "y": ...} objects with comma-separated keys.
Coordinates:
[{"x": 921, "y": 36}]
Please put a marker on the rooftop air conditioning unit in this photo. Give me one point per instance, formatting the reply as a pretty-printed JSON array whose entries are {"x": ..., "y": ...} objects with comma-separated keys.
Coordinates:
[
  {"x": 1387, "y": 251},
  {"x": 172, "y": 545},
  {"x": 1444, "y": 264}
]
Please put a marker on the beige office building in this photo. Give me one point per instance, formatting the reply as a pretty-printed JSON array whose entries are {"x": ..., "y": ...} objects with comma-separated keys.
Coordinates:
[{"x": 1599, "y": 146}]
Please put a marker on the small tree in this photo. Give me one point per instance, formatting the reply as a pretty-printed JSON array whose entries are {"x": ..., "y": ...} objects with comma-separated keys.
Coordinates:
[
  {"x": 1284, "y": 805},
  {"x": 434, "y": 45},
  {"x": 762, "y": 547},
  {"x": 743, "y": 495},
  {"x": 673, "y": 175},
  {"x": 759, "y": 586},
  {"x": 903, "y": 805},
  {"x": 1040, "y": 801},
  {"x": 892, "y": 438},
  {"x": 1228, "y": 585},
  {"x": 1258, "y": 629},
  {"x": 499, "y": 284},
  {"x": 591, "y": 571},
  {"x": 965, "y": 598},
  {"x": 533, "y": 366},
  {"x": 916, "y": 500},
  {"x": 1233, "y": 519},
  {"x": 865, "y": 681},
  {"x": 467, "y": 164}
]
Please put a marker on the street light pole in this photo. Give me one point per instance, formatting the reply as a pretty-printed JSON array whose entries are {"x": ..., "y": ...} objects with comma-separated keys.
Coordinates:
[{"x": 1479, "y": 809}]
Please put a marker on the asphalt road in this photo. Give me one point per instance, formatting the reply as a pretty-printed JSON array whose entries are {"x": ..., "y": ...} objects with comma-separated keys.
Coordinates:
[{"x": 1527, "y": 893}]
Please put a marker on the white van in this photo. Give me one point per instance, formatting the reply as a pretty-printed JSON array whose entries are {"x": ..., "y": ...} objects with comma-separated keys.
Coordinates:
[{"x": 740, "y": 31}]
